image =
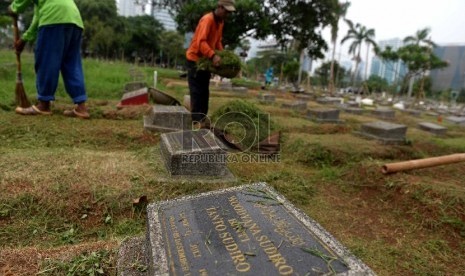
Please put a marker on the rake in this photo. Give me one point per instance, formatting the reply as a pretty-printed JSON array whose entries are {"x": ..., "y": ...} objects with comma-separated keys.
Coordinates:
[{"x": 21, "y": 98}]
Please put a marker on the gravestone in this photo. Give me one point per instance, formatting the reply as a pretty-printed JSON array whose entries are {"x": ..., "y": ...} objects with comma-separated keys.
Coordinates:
[
  {"x": 384, "y": 113},
  {"x": 413, "y": 112},
  {"x": 433, "y": 128},
  {"x": 354, "y": 110},
  {"x": 227, "y": 86},
  {"x": 304, "y": 97},
  {"x": 385, "y": 132},
  {"x": 267, "y": 98},
  {"x": 194, "y": 153},
  {"x": 324, "y": 115},
  {"x": 240, "y": 89},
  {"x": 131, "y": 86},
  {"x": 166, "y": 118},
  {"x": 296, "y": 105},
  {"x": 353, "y": 104},
  {"x": 137, "y": 97},
  {"x": 456, "y": 120},
  {"x": 245, "y": 230},
  {"x": 329, "y": 100}
]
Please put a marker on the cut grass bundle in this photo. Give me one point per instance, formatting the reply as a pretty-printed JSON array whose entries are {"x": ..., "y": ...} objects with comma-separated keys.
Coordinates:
[{"x": 229, "y": 67}]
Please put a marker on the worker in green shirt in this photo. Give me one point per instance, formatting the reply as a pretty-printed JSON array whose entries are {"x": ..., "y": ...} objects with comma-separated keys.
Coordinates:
[{"x": 56, "y": 29}]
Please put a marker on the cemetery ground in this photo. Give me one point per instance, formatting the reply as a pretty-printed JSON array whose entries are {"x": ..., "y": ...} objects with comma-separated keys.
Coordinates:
[{"x": 71, "y": 190}]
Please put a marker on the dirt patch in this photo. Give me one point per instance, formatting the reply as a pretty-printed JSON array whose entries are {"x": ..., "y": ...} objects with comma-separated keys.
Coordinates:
[{"x": 26, "y": 261}]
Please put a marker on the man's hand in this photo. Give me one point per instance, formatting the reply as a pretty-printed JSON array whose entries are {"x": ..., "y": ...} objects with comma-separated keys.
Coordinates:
[
  {"x": 12, "y": 13},
  {"x": 216, "y": 60},
  {"x": 19, "y": 45}
]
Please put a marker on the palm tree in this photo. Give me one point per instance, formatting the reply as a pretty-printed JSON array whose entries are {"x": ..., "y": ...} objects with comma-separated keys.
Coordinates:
[
  {"x": 340, "y": 11},
  {"x": 422, "y": 39},
  {"x": 359, "y": 34}
]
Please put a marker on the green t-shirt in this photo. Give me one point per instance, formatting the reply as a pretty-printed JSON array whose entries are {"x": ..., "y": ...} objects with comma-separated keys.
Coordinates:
[{"x": 48, "y": 12}]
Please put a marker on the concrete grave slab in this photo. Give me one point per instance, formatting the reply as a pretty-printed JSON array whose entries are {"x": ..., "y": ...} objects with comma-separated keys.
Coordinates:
[
  {"x": 165, "y": 118},
  {"x": 240, "y": 89},
  {"x": 413, "y": 112},
  {"x": 324, "y": 115},
  {"x": 353, "y": 104},
  {"x": 384, "y": 113},
  {"x": 295, "y": 105},
  {"x": 227, "y": 86},
  {"x": 305, "y": 97},
  {"x": 456, "y": 120},
  {"x": 354, "y": 110},
  {"x": 267, "y": 98},
  {"x": 433, "y": 128},
  {"x": 194, "y": 152},
  {"x": 385, "y": 132},
  {"x": 245, "y": 230},
  {"x": 329, "y": 100}
]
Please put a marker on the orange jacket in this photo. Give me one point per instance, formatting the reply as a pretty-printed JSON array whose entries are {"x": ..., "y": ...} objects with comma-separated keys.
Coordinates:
[{"x": 206, "y": 39}]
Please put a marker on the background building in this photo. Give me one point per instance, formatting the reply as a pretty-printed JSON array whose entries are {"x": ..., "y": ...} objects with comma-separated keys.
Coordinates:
[
  {"x": 128, "y": 8},
  {"x": 453, "y": 76},
  {"x": 390, "y": 71}
]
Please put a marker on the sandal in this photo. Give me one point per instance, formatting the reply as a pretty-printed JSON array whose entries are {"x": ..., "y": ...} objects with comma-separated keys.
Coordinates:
[
  {"x": 74, "y": 113},
  {"x": 32, "y": 110}
]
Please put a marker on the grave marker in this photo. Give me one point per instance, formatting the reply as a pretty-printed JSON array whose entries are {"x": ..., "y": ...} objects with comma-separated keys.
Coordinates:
[
  {"x": 433, "y": 128},
  {"x": 384, "y": 113},
  {"x": 267, "y": 98},
  {"x": 166, "y": 118},
  {"x": 296, "y": 105},
  {"x": 196, "y": 152},
  {"x": 456, "y": 120},
  {"x": 388, "y": 133},
  {"x": 324, "y": 115},
  {"x": 246, "y": 230}
]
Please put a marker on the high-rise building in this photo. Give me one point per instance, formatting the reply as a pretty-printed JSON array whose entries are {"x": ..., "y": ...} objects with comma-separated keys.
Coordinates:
[
  {"x": 163, "y": 15},
  {"x": 453, "y": 76},
  {"x": 129, "y": 8},
  {"x": 390, "y": 71}
]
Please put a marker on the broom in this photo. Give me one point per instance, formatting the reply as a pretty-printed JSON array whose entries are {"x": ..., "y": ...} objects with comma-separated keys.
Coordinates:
[{"x": 21, "y": 98}]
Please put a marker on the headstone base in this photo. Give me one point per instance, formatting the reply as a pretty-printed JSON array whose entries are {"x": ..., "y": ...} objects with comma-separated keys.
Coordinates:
[
  {"x": 165, "y": 118},
  {"x": 297, "y": 105},
  {"x": 387, "y": 133},
  {"x": 433, "y": 128},
  {"x": 194, "y": 153}
]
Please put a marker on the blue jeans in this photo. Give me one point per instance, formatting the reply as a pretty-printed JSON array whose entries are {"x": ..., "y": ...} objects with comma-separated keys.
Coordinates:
[{"x": 58, "y": 50}]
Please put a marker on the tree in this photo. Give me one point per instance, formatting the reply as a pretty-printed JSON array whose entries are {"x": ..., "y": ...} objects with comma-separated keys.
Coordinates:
[
  {"x": 324, "y": 73},
  {"x": 143, "y": 37},
  {"x": 377, "y": 84},
  {"x": 421, "y": 38},
  {"x": 339, "y": 12},
  {"x": 285, "y": 20},
  {"x": 418, "y": 57},
  {"x": 172, "y": 46},
  {"x": 358, "y": 34}
]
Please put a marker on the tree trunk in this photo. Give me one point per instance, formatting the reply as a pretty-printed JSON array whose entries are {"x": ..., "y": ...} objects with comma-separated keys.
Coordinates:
[
  {"x": 366, "y": 62},
  {"x": 331, "y": 73}
]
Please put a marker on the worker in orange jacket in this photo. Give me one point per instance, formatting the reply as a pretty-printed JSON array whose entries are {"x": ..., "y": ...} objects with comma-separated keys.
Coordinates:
[{"x": 207, "y": 38}]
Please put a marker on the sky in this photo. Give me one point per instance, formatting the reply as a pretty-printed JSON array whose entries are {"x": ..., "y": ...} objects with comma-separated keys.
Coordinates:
[{"x": 401, "y": 18}]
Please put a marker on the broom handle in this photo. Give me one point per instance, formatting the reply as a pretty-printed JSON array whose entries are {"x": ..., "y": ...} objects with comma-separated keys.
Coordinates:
[{"x": 18, "y": 54}]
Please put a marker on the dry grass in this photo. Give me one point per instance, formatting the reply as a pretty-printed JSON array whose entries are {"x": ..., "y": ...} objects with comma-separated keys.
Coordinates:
[{"x": 68, "y": 186}]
